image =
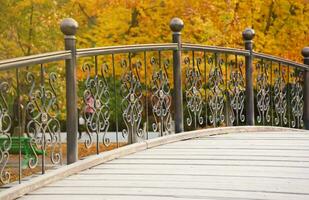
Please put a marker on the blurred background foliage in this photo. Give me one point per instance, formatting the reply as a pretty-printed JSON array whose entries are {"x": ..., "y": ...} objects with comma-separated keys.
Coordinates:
[{"x": 32, "y": 26}]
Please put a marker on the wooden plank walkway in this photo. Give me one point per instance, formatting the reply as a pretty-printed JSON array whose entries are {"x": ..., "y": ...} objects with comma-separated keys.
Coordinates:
[{"x": 233, "y": 166}]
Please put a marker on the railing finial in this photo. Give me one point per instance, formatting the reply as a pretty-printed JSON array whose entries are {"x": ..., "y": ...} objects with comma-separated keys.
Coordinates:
[
  {"x": 68, "y": 26},
  {"x": 248, "y": 35},
  {"x": 176, "y": 24},
  {"x": 305, "y": 53}
]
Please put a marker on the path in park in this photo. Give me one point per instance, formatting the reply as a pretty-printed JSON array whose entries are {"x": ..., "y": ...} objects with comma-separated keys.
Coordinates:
[{"x": 230, "y": 166}]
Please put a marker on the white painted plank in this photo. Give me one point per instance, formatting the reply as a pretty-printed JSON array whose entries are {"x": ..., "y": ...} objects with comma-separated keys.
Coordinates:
[
  {"x": 286, "y": 185},
  {"x": 173, "y": 191},
  {"x": 217, "y": 157},
  {"x": 117, "y": 197},
  {"x": 227, "y": 162},
  {"x": 229, "y": 152}
]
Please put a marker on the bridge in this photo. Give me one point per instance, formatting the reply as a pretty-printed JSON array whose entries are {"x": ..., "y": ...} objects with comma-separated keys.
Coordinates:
[
  {"x": 223, "y": 163},
  {"x": 157, "y": 121}
]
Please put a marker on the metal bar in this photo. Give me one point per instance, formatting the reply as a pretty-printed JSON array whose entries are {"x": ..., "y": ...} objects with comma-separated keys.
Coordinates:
[
  {"x": 116, "y": 105},
  {"x": 95, "y": 78},
  {"x": 305, "y": 53},
  {"x": 205, "y": 87},
  {"x": 226, "y": 92},
  {"x": 126, "y": 49},
  {"x": 69, "y": 27},
  {"x": 272, "y": 94},
  {"x": 176, "y": 25},
  {"x": 193, "y": 68},
  {"x": 33, "y": 60},
  {"x": 277, "y": 59},
  {"x": 19, "y": 125},
  {"x": 248, "y": 35},
  {"x": 42, "y": 72},
  {"x": 288, "y": 97},
  {"x": 146, "y": 96},
  {"x": 215, "y": 49}
]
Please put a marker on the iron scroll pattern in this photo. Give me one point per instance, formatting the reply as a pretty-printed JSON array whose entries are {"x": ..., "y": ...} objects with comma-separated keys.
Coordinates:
[
  {"x": 263, "y": 93},
  {"x": 161, "y": 99},
  {"x": 280, "y": 95},
  {"x": 5, "y": 125},
  {"x": 297, "y": 99},
  {"x": 131, "y": 103},
  {"x": 216, "y": 93},
  {"x": 194, "y": 98},
  {"x": 236, "y": 90},
  {"x": 43, "y": 127},
  {"x": 96, "y": 100}
]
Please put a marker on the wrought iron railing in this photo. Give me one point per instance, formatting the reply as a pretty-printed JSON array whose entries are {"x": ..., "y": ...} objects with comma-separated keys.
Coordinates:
[{"x": 113, "y": 96}]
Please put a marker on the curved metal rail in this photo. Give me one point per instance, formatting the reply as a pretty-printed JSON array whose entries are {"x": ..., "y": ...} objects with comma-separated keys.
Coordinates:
[{"x": 34, "y": 60}]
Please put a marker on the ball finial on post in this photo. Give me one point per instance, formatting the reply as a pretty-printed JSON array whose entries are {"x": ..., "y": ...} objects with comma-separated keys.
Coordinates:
[
  {"x": 248, "y": 34},
  {"x": 176, "y": 24},
  {"x": 69, "y": 26},
  {"x": 305, "y": 52}
]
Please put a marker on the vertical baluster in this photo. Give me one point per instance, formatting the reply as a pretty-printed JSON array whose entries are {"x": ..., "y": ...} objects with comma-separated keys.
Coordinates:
[
  {"x": 205, "y": 87},
  {"x": 193, "y": 74},
  {"x": 176, "y": 26},
  {"x": 288, "y": 99},
  {"x": 271, "y": 94},
  {"x": 248, "y": 36},
  {"x": 69, "y": 27},
  {"x": 146, "y": 96},
  {"x": 116, "y": 103},
  {"x": 42, "y": 72},
  {"x": 226, "y": 93},
  {"x": 305, "y": 53},
  {"x": 19, "y": 125},
  {"x": 96, "y": 96}
]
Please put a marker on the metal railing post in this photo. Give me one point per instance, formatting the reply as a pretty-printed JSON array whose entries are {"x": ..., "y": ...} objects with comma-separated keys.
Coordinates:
[
  {"x": 69, "y": 27},
  {"x": 248, "y": 35},
  {"x": 305, "y": 53},
  {"x": 176, "y": 26}
]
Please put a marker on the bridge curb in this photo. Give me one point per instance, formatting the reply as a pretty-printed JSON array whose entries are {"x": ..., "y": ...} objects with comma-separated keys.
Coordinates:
[{"x": 91, "y": 161}]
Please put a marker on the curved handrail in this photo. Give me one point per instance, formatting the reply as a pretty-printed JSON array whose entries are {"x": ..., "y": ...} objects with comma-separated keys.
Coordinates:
[
  {"x": 34, "y": 59},
  {"x": 63, "y": 55},
  {"x": 125, "y": 49},
  {"x": 197, "y": 47},
  {"x": 281, "y": 60}
]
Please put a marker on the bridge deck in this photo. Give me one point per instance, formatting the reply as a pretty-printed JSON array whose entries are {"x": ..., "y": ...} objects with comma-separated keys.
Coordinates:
[{"x": 233, "y": 166}]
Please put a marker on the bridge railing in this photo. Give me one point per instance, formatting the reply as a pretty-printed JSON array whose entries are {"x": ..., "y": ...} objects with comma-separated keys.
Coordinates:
[{"x": 114, "y": 96}]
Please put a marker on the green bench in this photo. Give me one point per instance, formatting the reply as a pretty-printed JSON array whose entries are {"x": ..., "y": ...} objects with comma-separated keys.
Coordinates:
[{"x": 24, "y": 143}]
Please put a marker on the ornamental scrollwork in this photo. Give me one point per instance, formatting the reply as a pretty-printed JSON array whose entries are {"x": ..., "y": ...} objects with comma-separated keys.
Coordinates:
[
  {"x": 280, "y": 93},
  {"x": 297, "y": 99},
  {"x": 216, "y": 93},
  {"x": 263, "y": 93},
  {"x": 42, "y": 110},
  {"x": 161, "y": 97},
  {"x": 194, "y": 98},
  {"x": 96, "y": 110},
  {"x": 5, "y": 125},
  {"x": 131, "y": 104},
  {"x": 236, "y": 90}
]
